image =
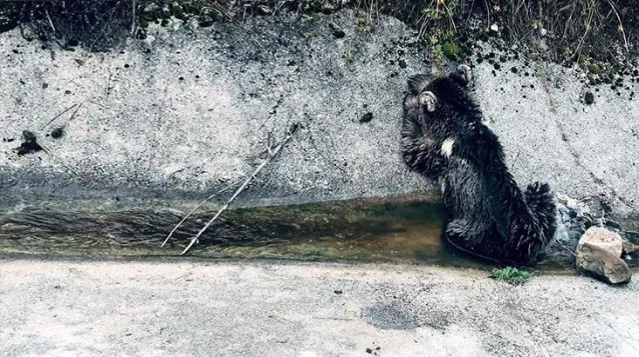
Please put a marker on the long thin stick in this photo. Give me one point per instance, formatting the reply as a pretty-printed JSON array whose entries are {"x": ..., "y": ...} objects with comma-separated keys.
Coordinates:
[
  {"x": 74, "y": 112},
  {"x": 46, "y": 12},
  {"x": 272, "y": 154},
  {"x": 625, "y": 41},
  {"x": 133, "y": 6},
  {"x": 198, "y": 206},
  {"x": 57, "y": 116}
]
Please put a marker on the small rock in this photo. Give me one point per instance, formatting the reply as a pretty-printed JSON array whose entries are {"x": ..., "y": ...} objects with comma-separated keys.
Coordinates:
[
  {"x": 366, "y": 118},
  {"x": 603, "y": 265},
  {"x": 337, "y": 31},
  {"x": 28, "y": 135},
  {"x": 29, "y": 144},
  {"x": 57, "y": 133},
  {"x": 604, "y": 239},
  {"x": 589, "y": 98},
  {"x": 494, "y": 28},
  {"x": 599, "y": 254},
  {"x": 206, "y": 21}
]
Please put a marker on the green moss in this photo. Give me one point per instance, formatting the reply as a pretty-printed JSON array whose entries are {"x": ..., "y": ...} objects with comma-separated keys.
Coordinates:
[
  {"x": 349, "y": 58},
  {"x": 593, "y": 68},
  {"x": 307, "y": 19},
  {"x": 511, "y": 275},
  {"x": 451, "y": 51}
]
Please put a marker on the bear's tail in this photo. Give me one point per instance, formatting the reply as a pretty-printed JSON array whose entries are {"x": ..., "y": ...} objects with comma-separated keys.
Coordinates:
[
  {"x": 534, "y": 223},
  {"x": 542, "y": 203}
]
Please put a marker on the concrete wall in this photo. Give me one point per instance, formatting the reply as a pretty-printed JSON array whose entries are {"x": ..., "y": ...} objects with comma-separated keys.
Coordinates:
[{"x": 183, "y": 113}]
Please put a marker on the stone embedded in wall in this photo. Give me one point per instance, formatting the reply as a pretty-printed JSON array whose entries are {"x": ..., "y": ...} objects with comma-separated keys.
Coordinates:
[{"x": 599, "y": 254}]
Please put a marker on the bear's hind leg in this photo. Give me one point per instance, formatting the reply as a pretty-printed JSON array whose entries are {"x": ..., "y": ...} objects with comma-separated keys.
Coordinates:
[
  {"x": 484, "y": 243},
  {"x": 464, "y": 235}
]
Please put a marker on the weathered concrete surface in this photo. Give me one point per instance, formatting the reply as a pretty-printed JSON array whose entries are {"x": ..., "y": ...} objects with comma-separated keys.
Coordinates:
[
  {"x": 114, "y": 308},
  {"x": 550, "y": 134},
  {"x": 185, "y": 112}
]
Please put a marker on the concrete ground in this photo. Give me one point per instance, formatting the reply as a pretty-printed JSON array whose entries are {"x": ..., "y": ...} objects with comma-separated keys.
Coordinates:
[{"x": 205, "y": 308}]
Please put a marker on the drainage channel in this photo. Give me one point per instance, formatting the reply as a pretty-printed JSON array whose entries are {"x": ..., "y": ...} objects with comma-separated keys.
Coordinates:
[{"x": 403, "y": 231}]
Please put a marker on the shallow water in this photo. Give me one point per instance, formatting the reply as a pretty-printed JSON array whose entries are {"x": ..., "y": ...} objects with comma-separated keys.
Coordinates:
[{"x": 400, "y": 230}]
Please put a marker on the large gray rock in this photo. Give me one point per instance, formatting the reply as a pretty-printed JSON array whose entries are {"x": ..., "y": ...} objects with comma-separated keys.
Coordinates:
[{"x": 599, "y": 254}]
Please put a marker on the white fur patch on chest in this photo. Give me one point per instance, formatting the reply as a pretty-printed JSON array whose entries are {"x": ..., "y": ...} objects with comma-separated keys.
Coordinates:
[{"x": 447, "y": 147}]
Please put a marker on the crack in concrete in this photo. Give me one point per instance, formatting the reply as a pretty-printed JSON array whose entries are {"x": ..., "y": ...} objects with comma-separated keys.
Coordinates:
[{"x": 573, "y": 152}]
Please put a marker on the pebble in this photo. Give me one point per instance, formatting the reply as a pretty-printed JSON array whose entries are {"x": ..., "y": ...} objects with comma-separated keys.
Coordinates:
[{"x": 599, "y": 254}]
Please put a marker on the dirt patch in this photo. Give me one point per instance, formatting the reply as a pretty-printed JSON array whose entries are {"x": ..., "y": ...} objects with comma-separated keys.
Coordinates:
[{"x": 29, "y": 144}]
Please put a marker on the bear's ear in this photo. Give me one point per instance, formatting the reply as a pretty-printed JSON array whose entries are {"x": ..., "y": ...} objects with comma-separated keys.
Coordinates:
[{"x": 429, "y": 100}]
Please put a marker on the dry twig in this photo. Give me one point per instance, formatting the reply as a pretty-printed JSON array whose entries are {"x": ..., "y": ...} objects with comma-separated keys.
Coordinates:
[
  {"x": 46, "y": 12},
  {"x": 57, "y": 116},
  {"x": 133, "y": 6},
  {"x": 272, "y": 153},
  {"x": 198, "y": 206},
  {"x": 625, "y": 41}
]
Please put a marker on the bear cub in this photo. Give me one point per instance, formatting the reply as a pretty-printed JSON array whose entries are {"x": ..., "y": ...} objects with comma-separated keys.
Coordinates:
[{"x": 443, "y": 137}]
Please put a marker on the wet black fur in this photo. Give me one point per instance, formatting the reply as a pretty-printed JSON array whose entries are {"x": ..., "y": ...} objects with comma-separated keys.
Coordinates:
[{"x": 489, "y": 216}]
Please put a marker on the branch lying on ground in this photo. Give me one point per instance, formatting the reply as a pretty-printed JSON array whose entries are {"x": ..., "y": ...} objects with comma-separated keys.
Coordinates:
[
  {"x": 272, "y": 153},
  {"x": 196, "y": 207},
  {"x": 57, "y": 116}
]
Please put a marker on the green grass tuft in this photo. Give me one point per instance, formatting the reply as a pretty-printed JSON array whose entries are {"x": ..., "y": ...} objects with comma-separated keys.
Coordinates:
[{"x": 511, "y": 275}]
